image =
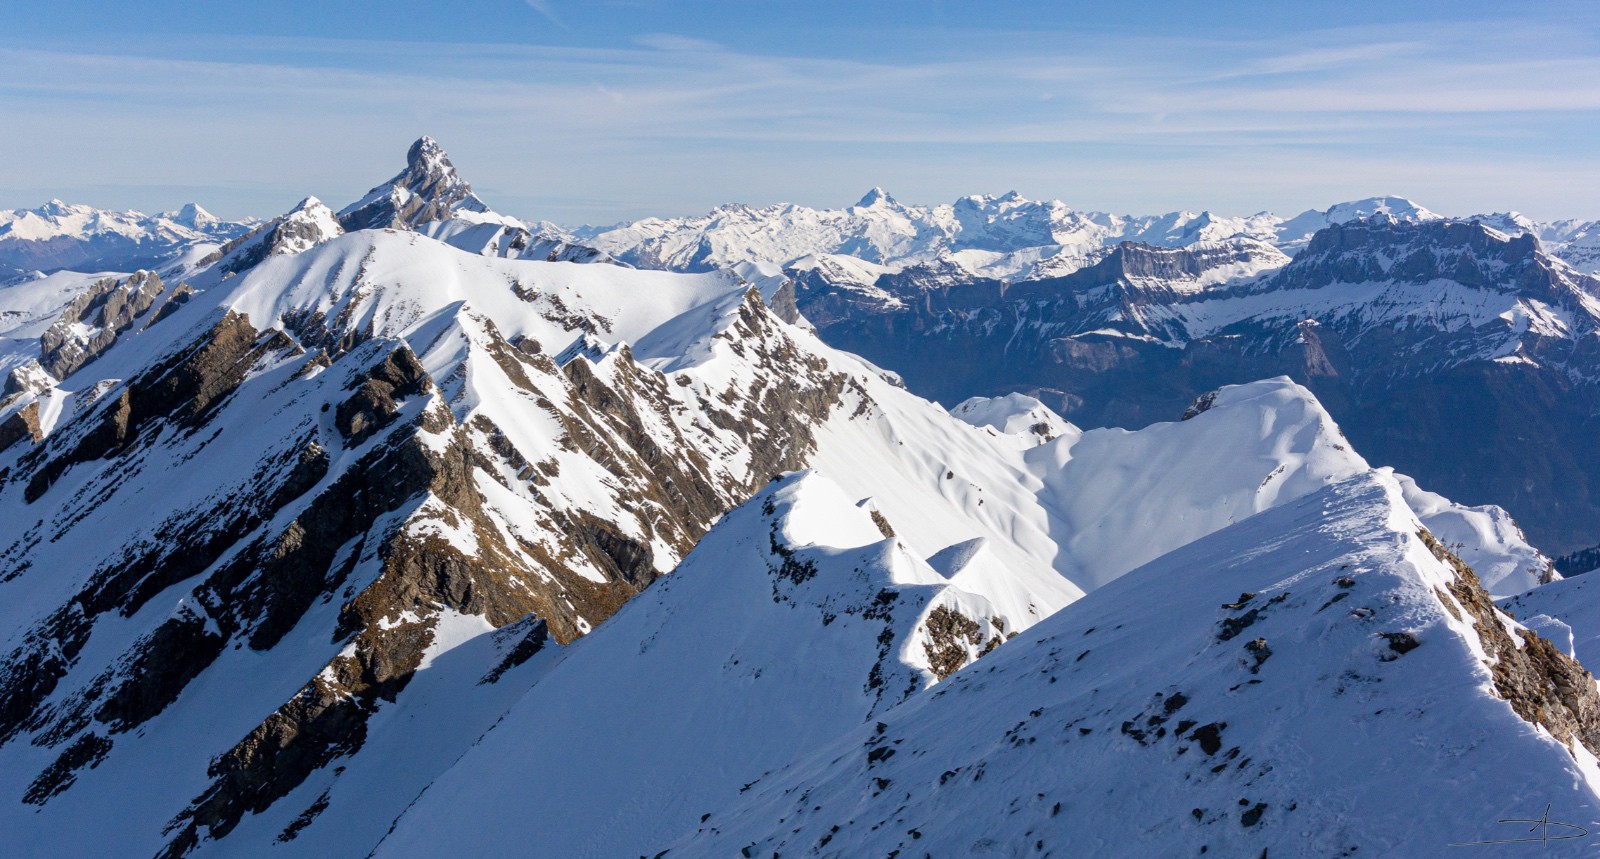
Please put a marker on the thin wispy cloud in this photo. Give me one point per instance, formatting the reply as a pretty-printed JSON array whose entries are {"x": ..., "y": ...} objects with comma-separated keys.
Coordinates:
[
  {"x": 1099, "y": 125},
  {"x": 544, "y": 7}
]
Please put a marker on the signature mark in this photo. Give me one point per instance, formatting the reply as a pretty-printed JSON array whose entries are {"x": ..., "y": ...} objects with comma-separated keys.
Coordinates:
[{"x": 1543, "y": 821}]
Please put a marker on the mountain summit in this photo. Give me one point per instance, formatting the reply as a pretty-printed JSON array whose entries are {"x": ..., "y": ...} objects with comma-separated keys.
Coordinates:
[{"x": 428, "y": 190}]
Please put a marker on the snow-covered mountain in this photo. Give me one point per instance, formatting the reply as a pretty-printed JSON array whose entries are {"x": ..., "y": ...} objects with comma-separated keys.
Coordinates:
[
  {"x": 60, "y": 235},
  {"x": 1009, "y": 237},
  {"x": 428, "y": 196},
  {"x": 1428, "y": 338},
  {"x": 1295, "y": 685},
  {"x": 373, "y": 522}
]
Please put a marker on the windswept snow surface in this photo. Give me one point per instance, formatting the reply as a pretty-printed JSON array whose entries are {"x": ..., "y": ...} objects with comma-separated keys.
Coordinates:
[
  {"x": 1016, "y": 415},
  {"x": 1133, "y": 724},
  {"x": 794, "y": 621},
  {"x": 754, "y": 650},
  {"x": 1485, "y": 537}
]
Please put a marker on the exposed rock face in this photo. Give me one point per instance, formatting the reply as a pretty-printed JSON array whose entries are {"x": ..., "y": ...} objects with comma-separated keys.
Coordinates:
[
  {"x": 427, "y": 190},
  {"x": 1543, "y": 685},
  {"x": 1435, "y": 344},
  {"x": 952, "y": 637},
  {"x": 306, "y": 225},
  {"x": 95, "y": 319},
  {"x": 19, "y": 425}
]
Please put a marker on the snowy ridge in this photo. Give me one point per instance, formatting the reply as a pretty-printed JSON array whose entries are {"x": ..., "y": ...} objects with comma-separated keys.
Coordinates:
[
  {"x": 1144, "y": 720},
  {"x": 1015, "y": 415},
  {"x": 1002, "y": 237},
  {"x": 1006, "y": 237},
  {"x": 1408, "y": 330},
  {"x": 345, "y": 396},
  {"x": 695, "y": 688}
]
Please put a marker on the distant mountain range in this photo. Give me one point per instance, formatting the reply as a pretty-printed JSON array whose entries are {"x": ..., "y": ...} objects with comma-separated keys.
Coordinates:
[
  {"x": 1460, "y": 350},
  {"x": 59, "y": 236},
  {"x": 1007, "y": 238},
  {"x": 409, "y": 528}
]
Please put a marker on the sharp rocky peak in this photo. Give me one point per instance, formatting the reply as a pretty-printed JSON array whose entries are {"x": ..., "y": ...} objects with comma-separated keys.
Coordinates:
[
  {"x": 428, "y": 190},
  {"x": 307, "y": 225}
]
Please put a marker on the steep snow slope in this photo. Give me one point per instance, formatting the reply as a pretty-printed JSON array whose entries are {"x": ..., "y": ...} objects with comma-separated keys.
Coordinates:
[
  {"x": 1566, "y": 611},
  {"x": 793, "y": 621},
  {"x": 700, "y": 748},
  {"x": 1485, "y": 537},
  {"x": 258, "y": 527},
  {"x": 1341, "y": 705}
]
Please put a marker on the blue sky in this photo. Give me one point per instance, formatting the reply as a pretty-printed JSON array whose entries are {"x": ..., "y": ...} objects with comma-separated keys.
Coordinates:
[{"x": 598, "y": 111}]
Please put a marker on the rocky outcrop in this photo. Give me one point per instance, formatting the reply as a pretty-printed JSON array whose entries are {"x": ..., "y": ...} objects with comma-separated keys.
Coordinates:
[
  {"x": 21, "y": 424},
  {"x": 606, "y": 417},
  {"x": 184, "y": 389},
  {"x": 302, "y": 486},
  {"x": 93, "y": 320},
  {"x": 1544, "y": 686},
  {"x": 952, "y": 639}
]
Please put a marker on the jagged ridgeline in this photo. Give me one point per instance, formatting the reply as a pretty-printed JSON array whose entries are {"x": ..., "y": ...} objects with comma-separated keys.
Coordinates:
[
  {"x": 1464, "y": 351},
  {"x": 344, "y": 536},
  {"x": 315, "y": 470}
]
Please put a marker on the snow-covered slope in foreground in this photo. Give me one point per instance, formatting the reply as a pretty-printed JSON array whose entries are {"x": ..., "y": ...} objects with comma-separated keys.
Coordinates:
[
  {"x": 1319, "y": 680},
  {"x": 794, "y": 621}
]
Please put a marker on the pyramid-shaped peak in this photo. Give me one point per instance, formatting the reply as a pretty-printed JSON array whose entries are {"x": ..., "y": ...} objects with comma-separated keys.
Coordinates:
[
  {"x": 874, "y": 197},
  {"x": 308, "y": 203},
  {"x": 194, "y": 216},
  {"x": 429, "y": 189}
]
